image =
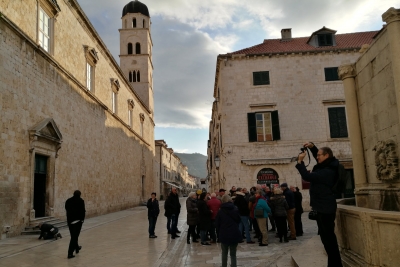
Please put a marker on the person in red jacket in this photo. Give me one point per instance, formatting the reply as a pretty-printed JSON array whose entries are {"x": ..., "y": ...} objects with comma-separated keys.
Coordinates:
[{"x": 213, "y": 204}]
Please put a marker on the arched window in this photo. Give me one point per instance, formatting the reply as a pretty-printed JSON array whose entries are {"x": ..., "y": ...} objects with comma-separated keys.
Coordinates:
[
  {"x": 126, "y": 23},
  {"x": 137, "y": 48},
  {"x": 144, "y": 23},
  {"x": 138, "y": 76},
  {"x": 130, "y": 48},
  {"x": 130, "y": 77},
  {"x": 134, "y": 23},
  {"x": 134, "y": 76}
]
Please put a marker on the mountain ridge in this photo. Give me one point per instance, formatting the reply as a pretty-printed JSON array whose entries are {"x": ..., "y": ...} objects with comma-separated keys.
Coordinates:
[{"x": 195, "y": 162}]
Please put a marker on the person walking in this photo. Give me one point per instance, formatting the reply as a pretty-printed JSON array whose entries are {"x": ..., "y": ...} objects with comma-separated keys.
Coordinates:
[
  {"x": 227, "y": 224},
  {"x": 291, "y": 211},
  {"x": 298, "y": 199},
  {"x": 214, "y": 205},
  {"x": 75, "y": 208},
  {"x": 261, "y": 211},
  {"x": 322, "y": 199},
  {"x": 153, "y": 209},
  {"x": 279, "y": 207},
  {"x": 172, "y": 210},
  {"x": 244, "y": 211},
  {"x": 192, "y": 216},
  {"x": 204, "y": 218}
]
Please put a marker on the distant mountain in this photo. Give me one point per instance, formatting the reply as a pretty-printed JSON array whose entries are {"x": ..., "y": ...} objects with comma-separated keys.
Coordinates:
[{"x": 196, "y": 163}]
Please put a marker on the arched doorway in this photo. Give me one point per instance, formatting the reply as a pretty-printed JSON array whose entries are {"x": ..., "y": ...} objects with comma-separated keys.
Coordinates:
[{"x": 268, "y": 176}]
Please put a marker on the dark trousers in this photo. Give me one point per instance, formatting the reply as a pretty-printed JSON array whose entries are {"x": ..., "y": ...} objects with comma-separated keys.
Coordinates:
[
  {"x": 224, "y": 255},
  {"x": 281, "y": 226},
  {"x": 174, "y": 223},
  {"x": 169, "y": 224},
  {"x": 152, "y": 224},
  {"x": 212, "y": 231},
  {"x": 256, "y": 228},
  {"x": 297, "y": 223},
  {"x": 191, "y": 232},
  {"x": 326, "y": 231},
  {"x": 74, "y": 230},
  {"x": 272, "y": 221}
]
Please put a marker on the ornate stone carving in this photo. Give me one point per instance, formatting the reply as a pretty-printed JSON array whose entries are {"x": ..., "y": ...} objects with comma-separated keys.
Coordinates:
[
  {"x": 347, "y": 71},
  {"x": 391, "y": 15},
  {"x": 131, "y": 103},
  {"x": 386, "y": 160}
]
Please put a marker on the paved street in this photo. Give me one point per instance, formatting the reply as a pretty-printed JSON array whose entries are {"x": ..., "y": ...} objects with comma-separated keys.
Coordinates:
[{"x": 121, "y": 239}]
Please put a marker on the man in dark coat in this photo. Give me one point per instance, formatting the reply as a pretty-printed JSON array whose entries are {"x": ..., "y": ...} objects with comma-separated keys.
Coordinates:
[
  {"x": 298, "y": 199},
  {"x": 75, "y": 208},
  {"x": 322, "y": 199},
  {"x": 204, "y": 218},
  {"x": 153, "y": 209},
  {"x": 172, "y": 209},
  {"x": 48, "y": 231},
  {"x": 291, "y": 211},
  {"x": 244, "y": 211}
]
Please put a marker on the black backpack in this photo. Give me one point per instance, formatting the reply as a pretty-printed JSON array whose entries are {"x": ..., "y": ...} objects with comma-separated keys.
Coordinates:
[{"x": 341, "y": 180}]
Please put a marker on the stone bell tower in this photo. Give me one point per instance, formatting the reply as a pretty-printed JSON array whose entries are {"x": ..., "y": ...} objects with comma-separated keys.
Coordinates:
[{"x": 136, "y": 50}]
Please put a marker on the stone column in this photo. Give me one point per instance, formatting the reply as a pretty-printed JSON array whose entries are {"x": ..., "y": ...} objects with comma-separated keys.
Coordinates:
[
  {"x": 347, "y": 74},
  {"x": 392, "y": 19}
]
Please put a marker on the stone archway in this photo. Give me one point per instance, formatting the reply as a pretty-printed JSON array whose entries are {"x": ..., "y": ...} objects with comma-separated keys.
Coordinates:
[{"x": 45, "y": 142}]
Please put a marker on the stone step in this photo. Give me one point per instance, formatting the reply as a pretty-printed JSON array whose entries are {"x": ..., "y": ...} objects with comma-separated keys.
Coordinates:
[
  {"x": 312, "y": 253},
  {"x": 32, "y": 229},
  {"x": 35, "y": 222}
]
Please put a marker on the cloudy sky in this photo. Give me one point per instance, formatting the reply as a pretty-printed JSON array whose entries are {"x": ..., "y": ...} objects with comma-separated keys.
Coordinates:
[{"x": 189, "y": 34}]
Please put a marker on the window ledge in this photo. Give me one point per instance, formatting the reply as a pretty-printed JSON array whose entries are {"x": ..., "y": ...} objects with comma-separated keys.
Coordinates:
[
  {"x": 333, "y": 82},
  {"x": 260, "y": 86},
  {"x": 263, "y": 105}
]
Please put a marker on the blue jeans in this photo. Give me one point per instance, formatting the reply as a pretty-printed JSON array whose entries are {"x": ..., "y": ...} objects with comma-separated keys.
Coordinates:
[
  {"x": 245, "y": 224},
  {"x": 152, "y": 224},
  {"x": 224, "y": 255},
  {"x": 169, "y": 224},
  {"x": 203, "y": 235},
  {"x": 174, "y": 223}
]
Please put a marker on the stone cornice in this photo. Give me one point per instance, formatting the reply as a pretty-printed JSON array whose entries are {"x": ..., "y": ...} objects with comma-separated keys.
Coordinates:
[
  {"x": 347, "y": 71},
  {"x": 391, "y": 15}
]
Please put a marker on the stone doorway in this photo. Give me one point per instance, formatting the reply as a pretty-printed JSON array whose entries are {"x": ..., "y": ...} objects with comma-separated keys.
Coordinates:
[{"x": 39, "y": 186}]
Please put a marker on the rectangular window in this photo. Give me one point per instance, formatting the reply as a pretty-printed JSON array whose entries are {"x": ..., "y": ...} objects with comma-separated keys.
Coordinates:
[
  {"x": 260, "y": 77},
  {"x": 325, "y": 39},
  {"x": 337, "y": 122},
  {"x": 331, "y": 74},
  {"x": 44, "y": 30},
  {"x": 263, "y": 126},
  {"x": 89, "y": 76}
]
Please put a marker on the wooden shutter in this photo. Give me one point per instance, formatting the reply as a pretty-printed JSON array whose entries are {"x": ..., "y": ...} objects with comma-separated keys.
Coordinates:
[
  {"x": 331, "y": 74},
  {"x": 265, "y": 77},
  {"x": 251, "y": 124},
  {"x": 276, "y": 134},
  {"x": 337, "y": 122},
  {"x": 256, "y": 78}
]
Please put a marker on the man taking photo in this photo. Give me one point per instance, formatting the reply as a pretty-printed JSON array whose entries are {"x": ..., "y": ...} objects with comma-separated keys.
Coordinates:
[{"x": 322, "y": 199}]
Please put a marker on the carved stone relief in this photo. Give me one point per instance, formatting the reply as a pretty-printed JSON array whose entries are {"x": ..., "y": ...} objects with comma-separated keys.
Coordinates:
[{"x": 386, "y": 160}]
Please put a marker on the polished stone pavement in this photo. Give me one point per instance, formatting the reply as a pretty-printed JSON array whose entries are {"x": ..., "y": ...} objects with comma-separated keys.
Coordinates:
[{"x": 121, "y": 239}]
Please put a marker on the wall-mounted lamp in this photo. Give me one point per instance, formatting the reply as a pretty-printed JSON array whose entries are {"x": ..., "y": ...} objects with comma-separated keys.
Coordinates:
[{"x": 217, "y": 161}]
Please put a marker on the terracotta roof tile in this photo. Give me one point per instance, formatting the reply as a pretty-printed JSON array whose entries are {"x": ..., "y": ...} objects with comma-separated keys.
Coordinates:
[{"x": 343, "y": 41}]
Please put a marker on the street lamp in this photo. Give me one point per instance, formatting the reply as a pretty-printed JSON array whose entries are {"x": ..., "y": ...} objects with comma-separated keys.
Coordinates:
[{"x": 217, "y": 161}]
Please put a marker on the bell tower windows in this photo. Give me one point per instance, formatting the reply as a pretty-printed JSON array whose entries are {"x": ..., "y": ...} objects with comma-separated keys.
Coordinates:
[
  {"x": 130, "y": 49},
  {"x": 137, "y": 48},
  {"x": 134, "y": 23},
  {"x": 134, "y": 76}
]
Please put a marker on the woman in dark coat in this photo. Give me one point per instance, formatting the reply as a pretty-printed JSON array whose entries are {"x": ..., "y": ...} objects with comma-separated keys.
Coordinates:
[
  {"x": 227, "y": 224},
  {"x": 279, "y": 207},
  {"x": 192, "y": 216},
  {"x": 204, "y": 218}
]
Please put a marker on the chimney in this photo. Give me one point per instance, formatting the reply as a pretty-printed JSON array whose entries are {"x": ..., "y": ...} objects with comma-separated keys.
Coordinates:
[{"x": 286, "y": 34}]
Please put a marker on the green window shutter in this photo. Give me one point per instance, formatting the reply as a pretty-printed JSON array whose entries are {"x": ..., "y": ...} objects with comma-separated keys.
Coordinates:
[
  {"x": 265, "y": 77},
  {"x": 260, "y": 77},
  {"x": 331, "y": 74},
  {"x": 337, "y": 122},
  {"x": 276, "y": 133},
  {"x": 251, "y": 124},
  {"x": 256, "y": 78}
]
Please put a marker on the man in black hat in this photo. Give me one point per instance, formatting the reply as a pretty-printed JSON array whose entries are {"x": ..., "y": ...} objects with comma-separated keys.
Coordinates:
[{"x": 75, "y": 207}]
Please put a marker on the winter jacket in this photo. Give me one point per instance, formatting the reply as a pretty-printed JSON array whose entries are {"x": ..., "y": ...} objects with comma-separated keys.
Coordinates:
[
  {"x": 47, "y": 231},
  {"x": 289, "y": 198},
  {"x": 322, "y": 179},
  {"x": 75, "y": 208},
  {"x": 204, "y": 215},
  {"x": 279, "y": 206},
  {"x": 214, "y": 204},
  {"x": 172, "y": 205},
  {"x": 242, "y": 204},
  {"x": 192, "y": 211},
  {"x": 153, "y": 208},
  {"x": 298, "y": 199},
  {"x": 262, "y": 204},
  {"x": 227, "y": 224}
]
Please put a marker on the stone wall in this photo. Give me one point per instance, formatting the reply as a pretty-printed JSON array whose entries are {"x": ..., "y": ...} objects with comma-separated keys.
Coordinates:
[{"x": 100, "y": 155}]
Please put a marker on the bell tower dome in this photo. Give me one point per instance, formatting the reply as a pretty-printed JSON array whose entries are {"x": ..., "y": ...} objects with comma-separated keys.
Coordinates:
[{"x": 136, "y": 50}]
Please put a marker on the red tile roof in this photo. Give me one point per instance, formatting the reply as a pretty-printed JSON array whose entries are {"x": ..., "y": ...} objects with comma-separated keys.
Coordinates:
[{"x": 343, "y": 41}]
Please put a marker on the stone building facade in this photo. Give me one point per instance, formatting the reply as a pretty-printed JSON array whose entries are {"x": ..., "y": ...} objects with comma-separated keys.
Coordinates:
[
  {"x": 70, "y": 117},
  {"x": 272, "y": 98}
]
